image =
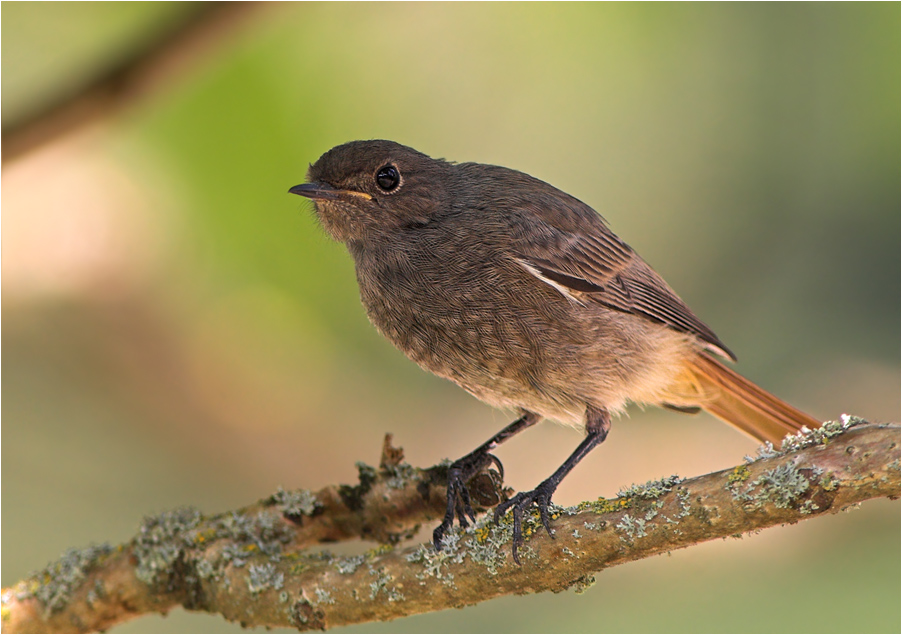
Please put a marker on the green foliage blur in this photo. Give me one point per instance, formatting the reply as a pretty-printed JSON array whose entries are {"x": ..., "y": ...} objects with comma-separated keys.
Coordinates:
[{"x": 178, "y": 330}]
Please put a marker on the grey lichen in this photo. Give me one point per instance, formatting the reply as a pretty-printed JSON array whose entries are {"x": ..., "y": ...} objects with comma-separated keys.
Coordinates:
[
  {"x": 264, "y": 576},
  {"x": 766, "y": 451},
  {"x": 436, "y": 563},
  {"x": 819, "y": 436},
  {"x": 783, "y": 486},
  {"x": 652, "y": 489},
  {"x": 296, "y": 503},
  {"x": 323, "y": 596},
  {"x": 183, "y": 535},
  {"x": 489, "y": 543},
  {"x": 643, "y": 499},
  {"x": 349, "y": 565},
  {"x": 399, "y": 475},
  {"x": 809, "y": 507},
  {"x": 631, "y": 528},
  {"x": 54, "y": 584},
  {"x": 205, "y": 569},
  {"x": 161, "y": 541},
  {"x": 653, "y": 510},
  {"x": 806, "y": 438},
  {"x": 262, "y": 532},
  {"x": 380, "y": 586},
  {"x": 683, "y": 499},
  {"x": 235, "y": 555}
]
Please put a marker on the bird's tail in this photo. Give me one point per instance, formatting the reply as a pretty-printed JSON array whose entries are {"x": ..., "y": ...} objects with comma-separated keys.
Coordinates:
[{"x": 739, "y": 402}]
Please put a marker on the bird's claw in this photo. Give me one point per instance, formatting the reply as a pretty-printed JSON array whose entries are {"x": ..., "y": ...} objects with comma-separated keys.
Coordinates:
[
  {"x": 459, "y": 504},
  {"x": 497, "y": 463},
  {"x": 541, "y": 498}
]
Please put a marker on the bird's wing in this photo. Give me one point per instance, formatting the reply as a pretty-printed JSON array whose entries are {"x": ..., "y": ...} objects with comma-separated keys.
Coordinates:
[{"x": 574, "y": 251}]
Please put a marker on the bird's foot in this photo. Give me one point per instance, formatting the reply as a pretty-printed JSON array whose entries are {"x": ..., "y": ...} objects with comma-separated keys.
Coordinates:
[
  {"x": 541, "y": 498},
  {"x": 459, "y": 504}
]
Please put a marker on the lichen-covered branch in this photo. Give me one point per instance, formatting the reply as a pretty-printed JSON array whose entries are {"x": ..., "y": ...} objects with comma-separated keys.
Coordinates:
[{"x": 249, "y": 565}]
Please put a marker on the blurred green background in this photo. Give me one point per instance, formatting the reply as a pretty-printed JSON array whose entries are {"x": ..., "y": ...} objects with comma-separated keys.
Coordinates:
[{"x": 178, "y": 330}]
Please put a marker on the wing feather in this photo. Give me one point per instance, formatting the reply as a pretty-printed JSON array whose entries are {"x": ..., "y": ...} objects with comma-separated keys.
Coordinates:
[{"x": 577, "y": 250}]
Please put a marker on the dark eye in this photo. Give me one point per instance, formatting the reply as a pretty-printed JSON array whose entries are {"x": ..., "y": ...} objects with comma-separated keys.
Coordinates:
[{"x": 388, "y": 178}]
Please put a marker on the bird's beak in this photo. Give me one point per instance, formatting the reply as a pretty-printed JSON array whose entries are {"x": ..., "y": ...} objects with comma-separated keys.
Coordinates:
[
  {"x": 315, "y": 190},
  {"x": 324, "y": 191}
]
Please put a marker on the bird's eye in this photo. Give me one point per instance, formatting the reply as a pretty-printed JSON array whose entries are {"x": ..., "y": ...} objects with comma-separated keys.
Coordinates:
[{"x": 388, "y": 178}]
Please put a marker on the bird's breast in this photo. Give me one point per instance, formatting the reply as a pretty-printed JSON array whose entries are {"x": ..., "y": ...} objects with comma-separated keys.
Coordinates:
[{"x": 478, "y": 319}]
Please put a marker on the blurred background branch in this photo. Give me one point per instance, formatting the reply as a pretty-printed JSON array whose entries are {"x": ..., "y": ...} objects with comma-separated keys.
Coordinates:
[
  {"x": 176, "y": 327},
  {"x": 246, "y": 564},
  {"x": 151, "y": 60}
]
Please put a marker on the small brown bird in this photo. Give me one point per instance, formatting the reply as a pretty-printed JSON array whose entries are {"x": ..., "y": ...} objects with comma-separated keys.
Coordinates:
[{"x": 522, "y": 295}]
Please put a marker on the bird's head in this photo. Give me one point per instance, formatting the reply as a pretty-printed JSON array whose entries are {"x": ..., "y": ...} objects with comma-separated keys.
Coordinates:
[{"x": 364, "y": 188}]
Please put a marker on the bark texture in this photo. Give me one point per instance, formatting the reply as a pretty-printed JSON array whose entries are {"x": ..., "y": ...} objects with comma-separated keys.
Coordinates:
[{"x": 251, "y": 565}]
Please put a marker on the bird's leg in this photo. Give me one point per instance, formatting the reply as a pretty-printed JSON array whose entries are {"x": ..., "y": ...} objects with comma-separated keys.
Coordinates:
[
  {"x": 598, "y": 423},
  {"x": 464, "y": 468}
]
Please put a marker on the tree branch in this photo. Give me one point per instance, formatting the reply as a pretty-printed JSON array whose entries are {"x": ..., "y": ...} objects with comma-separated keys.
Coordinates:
[
  {"x": 137, "y": 73},
  {"x": 248, "y": 564}
]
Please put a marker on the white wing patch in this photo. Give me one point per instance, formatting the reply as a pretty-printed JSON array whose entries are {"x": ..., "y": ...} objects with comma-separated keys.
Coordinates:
[
  {"x": 564, "y": 291},
  {"x": 718, "y": 350}
]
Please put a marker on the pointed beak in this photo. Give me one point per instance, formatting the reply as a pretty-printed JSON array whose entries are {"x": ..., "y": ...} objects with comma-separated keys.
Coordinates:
[
  {"x": 325, "y": 192},
  {"x": 315, "y": 191}
]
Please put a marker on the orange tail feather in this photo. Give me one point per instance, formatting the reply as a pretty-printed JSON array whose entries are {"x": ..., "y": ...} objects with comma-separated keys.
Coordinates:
[{"x": 746, "y": 406}]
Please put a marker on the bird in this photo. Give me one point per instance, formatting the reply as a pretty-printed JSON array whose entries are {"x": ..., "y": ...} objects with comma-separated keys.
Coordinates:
[{"x": 524, "y": 297}]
